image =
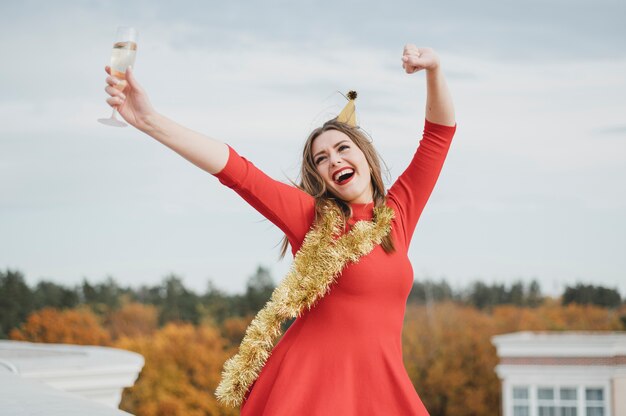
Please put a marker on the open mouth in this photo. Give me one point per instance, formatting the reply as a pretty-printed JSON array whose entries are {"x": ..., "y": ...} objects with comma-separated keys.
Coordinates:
[{"x": 343, "y": 176}]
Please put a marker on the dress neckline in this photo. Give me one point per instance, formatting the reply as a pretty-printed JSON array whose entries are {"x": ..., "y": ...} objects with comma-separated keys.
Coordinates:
[{"x": 364, "y": 211}]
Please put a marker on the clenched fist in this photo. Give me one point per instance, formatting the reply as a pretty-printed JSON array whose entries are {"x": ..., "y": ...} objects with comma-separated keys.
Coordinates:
[{"x": 415, "y": 59}]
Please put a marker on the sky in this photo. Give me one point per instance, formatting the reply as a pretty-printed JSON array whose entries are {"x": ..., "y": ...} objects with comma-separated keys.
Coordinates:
[{"x": 532, "y": 188}]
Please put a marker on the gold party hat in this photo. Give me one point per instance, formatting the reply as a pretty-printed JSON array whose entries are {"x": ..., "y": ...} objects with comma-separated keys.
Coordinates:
[{"x": 348, "y": 114}]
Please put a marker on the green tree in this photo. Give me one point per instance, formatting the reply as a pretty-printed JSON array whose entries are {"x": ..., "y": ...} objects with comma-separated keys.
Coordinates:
[
  {"x": 16, "y": 301},
  {"x": 484, "y": 296},
  {"x": 179, "y": 304},
  {"x": 516, "y": 294},
  {"x": 102, "y": 296},
  {"x": 49, "y": 294},
  {"x": 534, "y": 297},
  {"x": 429, "y": 291},
  {"x": 216, "y": 305},
  {"x": 259, "y": 289},
  {"x": 592, "y": 295}
]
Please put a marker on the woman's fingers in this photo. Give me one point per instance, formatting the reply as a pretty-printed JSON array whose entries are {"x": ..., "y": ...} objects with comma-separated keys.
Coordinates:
[
  {"x": 107, "y": 69},
  {"x": 409, "y": 47},
  {"x": 115, "y": 101},
  {"x": 411, "y": 64},
  {"x": 415, "y": 59},
  {"x": 112, "y": 81},
  {"x": 130, "y": 77},
  {"x": 412, "y": 59},
  {"x": 411, "y": 50},
  {"x": 114, "y": 92}
]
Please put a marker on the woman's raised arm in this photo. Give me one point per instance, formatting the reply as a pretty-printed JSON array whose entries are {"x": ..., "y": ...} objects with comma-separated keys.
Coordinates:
[
  {"x": 135, "y": 108},
  {"x": 288, "y": 207},
  {"x": 439, "y": 106},
  {"x": 414, "y": 186}
]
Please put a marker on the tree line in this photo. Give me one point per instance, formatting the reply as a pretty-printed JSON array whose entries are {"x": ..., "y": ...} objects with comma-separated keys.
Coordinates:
[
  {"x": 176, "y": 303},
  {"x": 185, "y": 337},
  {"x": 447, "y": 350}
]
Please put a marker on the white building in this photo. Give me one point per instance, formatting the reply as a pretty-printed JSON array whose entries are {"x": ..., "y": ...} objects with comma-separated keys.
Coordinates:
[
  {"x": 57, "y": 379},
  {"x": 562, "y": 373}
]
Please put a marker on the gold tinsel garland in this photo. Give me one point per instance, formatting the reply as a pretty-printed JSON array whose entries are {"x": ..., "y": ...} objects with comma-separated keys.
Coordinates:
[{"x": 316, "y": 265}]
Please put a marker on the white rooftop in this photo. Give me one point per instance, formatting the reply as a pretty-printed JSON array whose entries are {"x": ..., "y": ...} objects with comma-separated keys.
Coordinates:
[
  {"x": 58, "y": 379},
  {"x": 561, "y": 344}
]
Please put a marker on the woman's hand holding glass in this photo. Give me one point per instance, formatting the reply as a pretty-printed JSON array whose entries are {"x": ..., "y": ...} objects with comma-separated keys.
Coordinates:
[{"x": 132, "y": 102}]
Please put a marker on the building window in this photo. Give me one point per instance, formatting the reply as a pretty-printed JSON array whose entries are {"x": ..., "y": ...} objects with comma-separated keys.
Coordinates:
[
  {"x": 563, "y": 401},
  {"x": 594, "y": 401},
  {"x": 521, "y": 404},
  {"x": 568, "y": 401},
  {"x": 546, "y": 401},
  {"x": 559, "y": 401}
]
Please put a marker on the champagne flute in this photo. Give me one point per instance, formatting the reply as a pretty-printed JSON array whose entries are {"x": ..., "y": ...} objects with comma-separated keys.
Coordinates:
[{"x": 123, "y": 56}]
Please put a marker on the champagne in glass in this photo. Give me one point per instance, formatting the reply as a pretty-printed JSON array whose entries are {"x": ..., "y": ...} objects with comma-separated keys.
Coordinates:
[{"x": 122, "y": 56}]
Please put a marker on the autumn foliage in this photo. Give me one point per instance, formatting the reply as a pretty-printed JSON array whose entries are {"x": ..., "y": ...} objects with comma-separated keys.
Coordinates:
[
  {"x": 234, "y": 328},
  {"x": 450, "y": 359},
  {"x": 74, "y": 326},
  {"x": 132, "y": 320},
  {"x": 183, "y": 367},
  {"x": 446, "y": 345}
]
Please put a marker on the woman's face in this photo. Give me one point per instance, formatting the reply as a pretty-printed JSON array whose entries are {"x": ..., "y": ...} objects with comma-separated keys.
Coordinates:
[{"x": 343, "y": 167}]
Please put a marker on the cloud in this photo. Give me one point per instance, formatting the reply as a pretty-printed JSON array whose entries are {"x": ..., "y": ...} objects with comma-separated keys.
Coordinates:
[
  {"x": 614, "y": 131},
  {"x": 532, "y": 91}
]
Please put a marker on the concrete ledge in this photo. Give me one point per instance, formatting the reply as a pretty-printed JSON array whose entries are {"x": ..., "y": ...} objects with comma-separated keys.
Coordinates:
[
  {"x": 91, "y": 372},
  {"x": 21, "y": 397}
]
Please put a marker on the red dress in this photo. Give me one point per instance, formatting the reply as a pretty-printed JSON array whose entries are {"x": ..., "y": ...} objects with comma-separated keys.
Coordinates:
[{"x": 344, "y": 356}]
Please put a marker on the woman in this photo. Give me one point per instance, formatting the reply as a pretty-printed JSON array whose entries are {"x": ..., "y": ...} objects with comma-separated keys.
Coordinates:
[{"x": 351, "y": 274}]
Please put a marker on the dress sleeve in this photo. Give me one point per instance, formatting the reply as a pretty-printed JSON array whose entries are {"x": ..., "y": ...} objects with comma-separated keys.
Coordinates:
[
  {"x": 289, "y": 208},
  {"x": 413, "y": 187}
]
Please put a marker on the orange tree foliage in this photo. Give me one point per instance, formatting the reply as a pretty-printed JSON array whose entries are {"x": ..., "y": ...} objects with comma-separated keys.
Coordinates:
[
  {"x": 132, "y": 320},
  {"x": 74, "y": 326},
  {"x": 182, "y": 370},
  {"x": 447, "y": 351},
  {"x": 551, "y": 316},
  {"x": 234, "y": 328},
  {"x": 450, "y": 359}
]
